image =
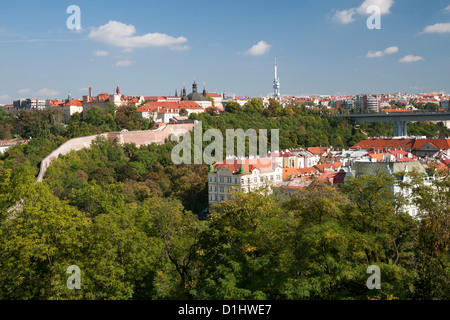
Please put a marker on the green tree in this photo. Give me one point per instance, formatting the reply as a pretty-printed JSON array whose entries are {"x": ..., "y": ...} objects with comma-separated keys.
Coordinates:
[
  {"x": 244, "y": 252},
  {"x": 432, "y": 251},
  {"x": 40, "y": 237},
  {"x": 96, "y": 116},
  {"x": 178, "y": 232}
]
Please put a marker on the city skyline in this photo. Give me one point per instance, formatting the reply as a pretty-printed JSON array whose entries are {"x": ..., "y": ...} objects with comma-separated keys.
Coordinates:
[{"x": 152, "y": 48}]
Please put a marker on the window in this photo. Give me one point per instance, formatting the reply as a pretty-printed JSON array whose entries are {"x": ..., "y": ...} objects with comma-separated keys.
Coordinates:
[
  {"x": 210, "y": 179},
  {"x": 215, "y": 197},
  {"x": 256, "y": 179},
  {"x": 221, "y": 189},
  {"x": 229, "y": 180},
  {"x": 221, "y": 180},
  {"x": 235, "y": 181},
  {"x": 221, "y": 198},
  {"x": 215, "y": 179}
]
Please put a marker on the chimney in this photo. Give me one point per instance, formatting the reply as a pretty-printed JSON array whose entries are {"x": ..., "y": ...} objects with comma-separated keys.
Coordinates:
[{"x": 90, "y": 93}]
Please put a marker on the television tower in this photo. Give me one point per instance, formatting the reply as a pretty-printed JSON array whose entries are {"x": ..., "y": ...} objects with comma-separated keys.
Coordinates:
[{"x": 276, "y": 83}]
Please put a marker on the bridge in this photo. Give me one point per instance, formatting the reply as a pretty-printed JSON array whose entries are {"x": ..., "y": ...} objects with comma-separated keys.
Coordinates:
[{"x": 399, "y": 119}]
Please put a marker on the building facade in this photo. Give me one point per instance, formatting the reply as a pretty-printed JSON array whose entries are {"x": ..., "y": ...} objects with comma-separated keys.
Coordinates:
[{"x": 241, "y": 175}]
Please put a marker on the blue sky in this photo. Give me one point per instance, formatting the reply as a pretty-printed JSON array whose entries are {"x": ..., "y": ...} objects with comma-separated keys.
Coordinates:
[{"x": 322, "y": 47}]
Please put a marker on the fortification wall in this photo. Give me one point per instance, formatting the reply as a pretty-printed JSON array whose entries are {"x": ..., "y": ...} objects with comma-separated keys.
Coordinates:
[{"x": 138, "y": 137}]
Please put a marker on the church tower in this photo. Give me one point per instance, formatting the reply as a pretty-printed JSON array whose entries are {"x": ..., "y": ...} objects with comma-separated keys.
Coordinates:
[
  {"x": 204, "y": 90},
  {"x": 276, "y": 83}
]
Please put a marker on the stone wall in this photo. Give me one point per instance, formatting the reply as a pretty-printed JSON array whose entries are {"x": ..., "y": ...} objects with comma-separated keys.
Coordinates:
[{"x": 140, "y": 138}]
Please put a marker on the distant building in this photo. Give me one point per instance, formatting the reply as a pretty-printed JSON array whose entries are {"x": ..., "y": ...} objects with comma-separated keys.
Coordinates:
[
  {"x": 69, "y": 108},
  {"x": 420, "y": 147},
  {"x": 165, "y": 111},
  {"x": 31, "y": 104},
  {"x": 200, "y": 98},
  {"x": 242, "y": 175},
  {"x": 294, "y": 158},
  {"x": 6, "y": 144},
  {"x": 104, "y": 98},
  {"x": 392, "y": 169}
]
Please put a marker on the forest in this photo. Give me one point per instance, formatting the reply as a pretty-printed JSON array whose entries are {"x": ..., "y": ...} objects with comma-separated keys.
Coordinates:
[{"x": 129, "y": 219}]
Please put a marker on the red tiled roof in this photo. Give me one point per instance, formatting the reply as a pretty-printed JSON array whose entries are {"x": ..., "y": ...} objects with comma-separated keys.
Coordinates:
[
  {"x": 73, "y": 102},
  {"x": 380, "y": 144},
  {"x": 317, "y": 150},
  {"x": 288, "y": 172},
  {"x": 308, "y": 171},
  {"x": 154, "y": 98},
  {"x": 164, "y": 106},
  {"x": 441, "y": 144},
  {"x": 249, "y": 164},
  {"x": 281, "y": 154},
  {"x": 333, "y": 177},
  {"x": 322, "y": 167}
]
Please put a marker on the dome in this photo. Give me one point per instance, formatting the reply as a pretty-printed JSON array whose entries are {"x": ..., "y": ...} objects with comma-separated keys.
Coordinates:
[{"x": 195, "y": 96}]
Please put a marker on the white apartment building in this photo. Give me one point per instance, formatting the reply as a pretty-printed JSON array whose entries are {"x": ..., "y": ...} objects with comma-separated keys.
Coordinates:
[
  {"x": 242, "y": 175},
  {"x": 31, "y": 104},
  {"x": 294, "y": 158},
  {"x": 69, "y": 110}
]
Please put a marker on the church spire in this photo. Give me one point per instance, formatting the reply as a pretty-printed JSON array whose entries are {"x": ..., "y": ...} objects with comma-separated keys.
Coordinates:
[
  {"x": 183, "y": 93},
  {"x": 204, "y": 90},
  {"x": 194, "y": 86}
]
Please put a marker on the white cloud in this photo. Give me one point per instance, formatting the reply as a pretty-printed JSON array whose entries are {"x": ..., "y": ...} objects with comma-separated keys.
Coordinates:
[
  {"x": 437, "y": 28},
  {"x": 119, "y": 34},
  {"x": 24, "y": 91},
  {"x": 46, "y": 93},
  {"x": 258, "y": 49},
  {"x": 379, "y": 54},
  {"x": 42, "y": 93},
  {"x": 5, "y": 99},
  {"x": 410, "y": 58},
  {"x": 101, "y": 53},
  {"x": 384, "y": 5},
  {"x": 376, "y": 54},
  {"x": 124, "y": 63},
  {"x": 344, "y": 16},
  {"x": 391, "y": 50},
  {"x": 447, "y": 9}
]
